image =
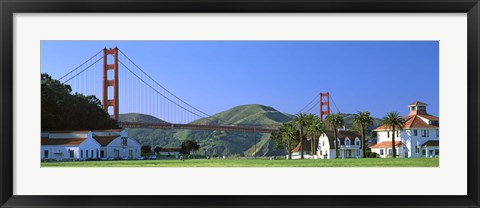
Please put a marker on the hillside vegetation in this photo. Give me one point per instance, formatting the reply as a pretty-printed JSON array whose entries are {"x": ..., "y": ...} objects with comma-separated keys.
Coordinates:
[{"x": 222, "y": 142}]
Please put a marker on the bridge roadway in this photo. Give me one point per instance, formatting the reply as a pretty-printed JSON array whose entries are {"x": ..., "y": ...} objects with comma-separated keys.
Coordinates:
[{"x": 255, "y": 129}]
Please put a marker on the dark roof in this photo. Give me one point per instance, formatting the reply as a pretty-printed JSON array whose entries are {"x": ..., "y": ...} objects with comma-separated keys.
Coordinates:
[
  {"x": 341, "y": 135},
  {"x": 171, "y": 150},
  {"x": 62, "y": 141},
  {"x": 431, "y": 143},
  {"x": 418, "y": 103},
  {"x": 105, "y": 140},
  {"x": 306, "y": 146}
]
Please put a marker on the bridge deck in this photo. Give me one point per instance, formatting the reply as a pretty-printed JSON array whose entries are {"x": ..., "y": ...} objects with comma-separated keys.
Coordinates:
[{"x": 195, "y": 127}]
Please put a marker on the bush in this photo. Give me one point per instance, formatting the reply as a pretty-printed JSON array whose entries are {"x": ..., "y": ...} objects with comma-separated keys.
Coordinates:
[{"x": 372, "y": 155}]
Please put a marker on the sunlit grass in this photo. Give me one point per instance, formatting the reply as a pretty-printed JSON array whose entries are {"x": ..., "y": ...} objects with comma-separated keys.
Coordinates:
[{"x": 366, "y": 162}]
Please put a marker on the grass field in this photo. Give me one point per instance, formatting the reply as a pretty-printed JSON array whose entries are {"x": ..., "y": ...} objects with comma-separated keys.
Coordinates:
[{"x": 366, "y": 162}]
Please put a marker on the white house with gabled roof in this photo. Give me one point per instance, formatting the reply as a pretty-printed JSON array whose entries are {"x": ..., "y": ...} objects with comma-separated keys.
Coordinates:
[
  {"x": 348, "y": 142},
  {"x": 88, "y": 145},
  {"x": 419, "y": 136}
]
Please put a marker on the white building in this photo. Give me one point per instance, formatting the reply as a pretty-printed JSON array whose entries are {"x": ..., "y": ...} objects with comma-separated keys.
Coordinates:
[
  {"x": 419, "y": 136},
  {"x": 170, "y": 152},
  {"x": 349, "y": 144},
  {"x": 85, "y": 145}
]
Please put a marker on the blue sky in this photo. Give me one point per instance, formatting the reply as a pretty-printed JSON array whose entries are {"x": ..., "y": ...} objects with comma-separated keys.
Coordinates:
[{"x": 213, "y": 76}]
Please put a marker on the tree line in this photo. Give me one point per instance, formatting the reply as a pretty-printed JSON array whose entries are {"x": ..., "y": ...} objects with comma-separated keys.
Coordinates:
[
  {"x": 63, "y": 110},
  {"x": 309, "y": 127}
]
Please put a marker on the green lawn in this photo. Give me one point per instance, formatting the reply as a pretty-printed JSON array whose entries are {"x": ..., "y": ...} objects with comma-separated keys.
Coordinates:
[{"x": 366, "y": 162}]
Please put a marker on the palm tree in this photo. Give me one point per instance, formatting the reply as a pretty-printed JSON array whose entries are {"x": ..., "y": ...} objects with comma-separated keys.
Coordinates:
[
  {"x": 362, "y": 120},
  {"x": 285, "y": 137},
  {"x": 334, "y": 121},
  {"x": 301, "y": 122},
  {"x": 289, "y": 135},
  {"x": 313, "y": 131},
  {"x": 393, "y": 120}
]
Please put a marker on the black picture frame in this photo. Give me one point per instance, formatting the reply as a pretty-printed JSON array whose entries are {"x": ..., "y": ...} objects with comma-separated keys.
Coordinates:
[{"x": 9, "y": 7}]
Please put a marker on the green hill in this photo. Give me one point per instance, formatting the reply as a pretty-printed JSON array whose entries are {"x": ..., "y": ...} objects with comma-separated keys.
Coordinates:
[
  {"x": 223, "y": 142},
  {"x": 138, "y": 117},
  {"x": 237, "y": 143}
]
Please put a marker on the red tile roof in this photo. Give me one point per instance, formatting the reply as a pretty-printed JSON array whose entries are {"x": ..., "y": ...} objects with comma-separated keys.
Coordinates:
[
  {"x": 85, "y": 131},
  {"x": 429, "y": 117},
  {"x": 62, "y": 141},
  {"x": 387, "y": 144},
  {"x": 413, "y": 122},
  {"x": 105, "y": 140}
]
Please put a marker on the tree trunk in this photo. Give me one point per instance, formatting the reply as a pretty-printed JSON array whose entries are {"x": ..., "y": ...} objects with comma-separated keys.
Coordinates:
[
  {"x": 363, "y": 143},
  {"x": 301, "y": 143},
  {"x": 393, "y": 143},
  {"x": 335, "y": 141},
  {"x": 311, "y": 147}
]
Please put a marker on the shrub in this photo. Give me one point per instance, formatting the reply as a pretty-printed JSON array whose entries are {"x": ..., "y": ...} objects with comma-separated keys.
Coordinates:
[{"x": 372, "y": 155}]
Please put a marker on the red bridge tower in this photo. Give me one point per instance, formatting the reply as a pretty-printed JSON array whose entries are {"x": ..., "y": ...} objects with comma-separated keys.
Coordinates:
[
  {"x": 106, "y": 102},
  {"x": 324, "y": 102}
]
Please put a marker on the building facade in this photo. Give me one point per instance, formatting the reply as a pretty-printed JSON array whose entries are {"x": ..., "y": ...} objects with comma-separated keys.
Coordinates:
[
  {"x": 419, "y": 136},
  {"x": 349, "y": 145},
  {"x": 88, "y": 145}
]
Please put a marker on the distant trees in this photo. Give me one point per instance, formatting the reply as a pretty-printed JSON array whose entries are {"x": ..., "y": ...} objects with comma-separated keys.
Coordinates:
[
  {"x": 62, "y": 110},
  {"x": 146, "y": 149},
  {"x": 362, "y": 120},
  {"x": 285, "y": 137},
  {"x": 393, "y": 120},
  {"x": 333, "y": 121},
  {"x": 188, "y": 146}
]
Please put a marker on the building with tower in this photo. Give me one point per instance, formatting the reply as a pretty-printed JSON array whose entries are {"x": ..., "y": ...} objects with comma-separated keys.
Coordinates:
[{"x": 419, "y": 136}]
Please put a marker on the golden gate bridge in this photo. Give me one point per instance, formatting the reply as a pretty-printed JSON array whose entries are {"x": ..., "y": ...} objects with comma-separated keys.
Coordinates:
[{"x": 147, "y": 96}]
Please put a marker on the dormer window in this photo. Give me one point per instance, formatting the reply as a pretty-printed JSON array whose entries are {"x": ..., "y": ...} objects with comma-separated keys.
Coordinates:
[
  {"x": 124, "y": 141},
  {"x": 347, "y": 142},
  {"x": 413, "y": 108}
]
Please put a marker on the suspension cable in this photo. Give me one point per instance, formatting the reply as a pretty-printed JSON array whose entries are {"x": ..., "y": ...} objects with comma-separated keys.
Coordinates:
[
  {"x": 83, "y": 70},
  {"x": 80, "y": 65}
]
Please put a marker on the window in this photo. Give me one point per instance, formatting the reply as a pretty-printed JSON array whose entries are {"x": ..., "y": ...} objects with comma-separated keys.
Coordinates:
[
  {"x": 81, "y": 153},
  {"x": 437, "y": 152},
  {"x": 86, "y": 151},
  {"x": 357, "y": 142},
  {"x": 390, "y": 152},
  {"x": 424, "y": 152},
  {"x": 412, "y": 108},
  {"x": 91, "y": 151},
  {"x": 323, "y": 143},
  {"x": 438, "y": 133},
  {"x": 45, "y": 154},
  {"x": 347, "y": 142},
  {"x": 422, "y": 108},
  {"x": 397, "y": 133},
  {"x": 415, "y": 132},
  {"x": 388, "y": 134},
  {"x": 71, "y": 153},
  {"x": 417, "y": 149},
  {"x": 425, "y": 133},
  {"x": 124, "y": 141},
  {"x": 381, "y": 152}
]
